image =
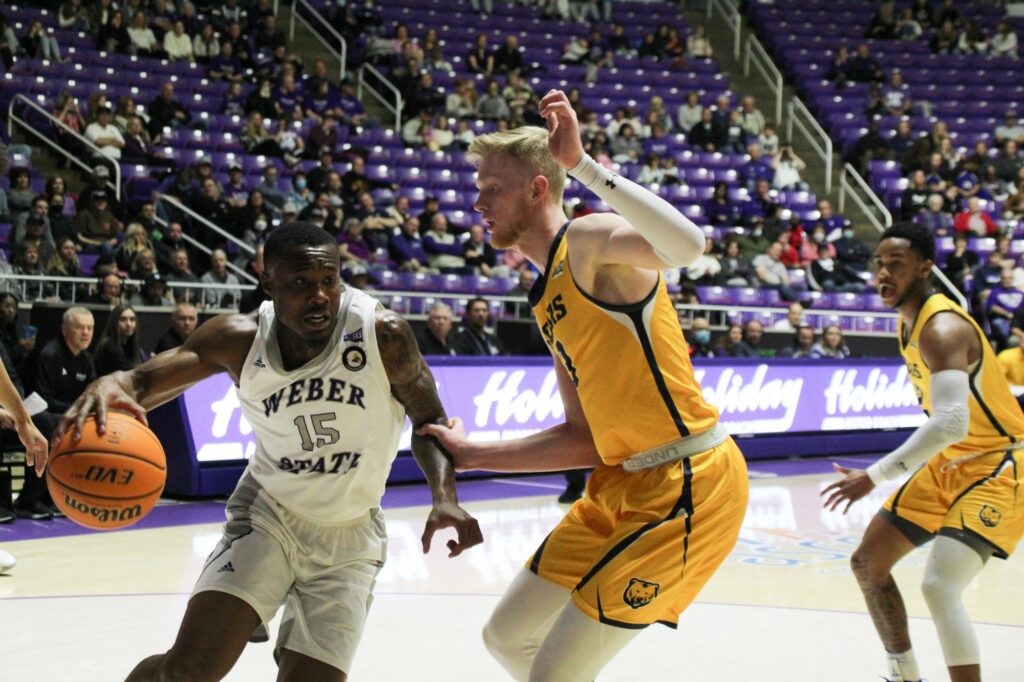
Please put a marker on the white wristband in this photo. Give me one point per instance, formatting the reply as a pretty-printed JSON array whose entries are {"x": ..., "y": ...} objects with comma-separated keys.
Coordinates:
[{"x": 587, "y": 171}]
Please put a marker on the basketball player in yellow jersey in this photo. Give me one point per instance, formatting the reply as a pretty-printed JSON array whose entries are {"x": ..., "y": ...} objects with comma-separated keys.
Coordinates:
[
  {"x": 664, "y": 505},
  {"x": 967, "y": 494}
]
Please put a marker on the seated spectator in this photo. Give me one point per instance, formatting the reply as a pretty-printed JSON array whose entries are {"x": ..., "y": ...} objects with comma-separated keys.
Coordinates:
[
  {"x": 257, "y": 139},
  {"x": 166, "y": 111},
  {"x": 435, "y": 337},
  {"x": 883, "y": 23},
  {"x": 97, "y": 225},
  {"x": 751, "y": 118},
  {"x": 1004, "y": 42},
  {"x": 689, "y": 113},
  {"x": 143, "y": 265},
  {"x": 971, "y": 40},
  {"x": 108, "y": 290},
  {"x": 406, "y": 247},
  {"x": 356, "y": 182},
  {"x": 896, "y": 95},
  {"x": 205, "y": 45},
  {"x": 832, "y": 222},
  {"x": 377, "y": 222},
  {"x": 961, "y": 262},
  {"x": 809, "y": 248},
  {"x": 756, "y": 168},
  {"x": 225, "y": 65},
  {"x": 1007, "y": 164},
  {"x": 444, "y": 252},
  {"x": 719, "y": 209},
  {"x": 771, "y": 273},
  {"x": 491, "y": 104},
  {"x": 154, "y": 292},
  {"x": 73, "y": 15},
  {"x": 750, "y": 346},
  {"x": 736, "y": 271},
  {"x": 1001, "y": 301},
  {"x": 480, "y": 60},
  {"x": 831, "y": 344},
  {"x": 827, "y": 274},
  {"x": 479, "y": 255},
  {"x": 729, "y": 345},
  {"x": 218, "y": 274},
  {"x": 862, "y": 67},
  {"x": 19, "y": 341},
  {"x": 936, "y": 219},
  {"x": 706, "y": 135},
  {"x": 787, "y": 167},
  {"x": 975, "y": 221},
  {"x": 850, "y": 251},
  {"x": 699, "y": 337},
  {"x": 803, "y": 343},
  {"x": 508, "y": 58},
  {"x": 944, "y": 41},
  {"x": 143, "y": 39},
  {"x": 177, "y": 43},
  {"x": 105, "y": 135},
  {"x": 626, "y": 147},
  {"x": 181, "y": 273},
  {"x": 353, "y": 247},
  {"x": 474, "y": 338},
  {"x": 183, "y": 323},
  {"x": 118, "y": 347},
  {"x": 914, "y": 199},
  {"x": 1010, "y": 129},
  {"x": 697, "y": 44},
  {"x": 462, "y": 102},
  {"x": 735, "y": 141},
  {"x": 136, "y": 240},
  {"x": 768, "y": 140},
  {"x": 908, "y": 27},
  {"x": 37, "y": 44}
]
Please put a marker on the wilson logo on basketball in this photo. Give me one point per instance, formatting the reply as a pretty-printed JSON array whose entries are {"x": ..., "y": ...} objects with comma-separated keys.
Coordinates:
[
  {"x": 101, "y": 514},
  {"x": 106, "y": 475}
]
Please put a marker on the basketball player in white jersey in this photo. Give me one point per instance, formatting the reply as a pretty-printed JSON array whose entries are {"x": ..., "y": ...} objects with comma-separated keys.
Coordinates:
[{"x": 326, "y": 377}]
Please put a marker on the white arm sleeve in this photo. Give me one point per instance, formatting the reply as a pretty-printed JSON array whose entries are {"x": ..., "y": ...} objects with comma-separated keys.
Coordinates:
[
  {"x": 676, "y": 240},
  {"x": 947, "y": 425}
]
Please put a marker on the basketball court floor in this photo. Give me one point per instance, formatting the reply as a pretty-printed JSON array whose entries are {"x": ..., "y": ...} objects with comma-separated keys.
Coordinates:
[{"x": 86, "y": 606}]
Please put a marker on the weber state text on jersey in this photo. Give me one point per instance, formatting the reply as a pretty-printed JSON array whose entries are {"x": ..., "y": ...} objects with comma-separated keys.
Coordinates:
[
  {"x": 326, "y": 432},
  {"x": 630, "y": 363}
]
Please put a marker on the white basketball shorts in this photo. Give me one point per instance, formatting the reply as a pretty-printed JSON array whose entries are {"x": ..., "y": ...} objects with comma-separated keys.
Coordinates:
[{"x": 323, "y": 575}]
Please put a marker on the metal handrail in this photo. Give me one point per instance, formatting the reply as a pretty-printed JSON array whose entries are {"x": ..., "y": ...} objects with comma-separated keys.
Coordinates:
[
  {"x": 846, "y": 187},
  {"x": 44, "y": 280},
  {"x": 12, "y": 119},
  {"x": 850, "y": 171},
  {"x": 395, "y": 108},
  {"x": 195, "y": 243},
  {"x": 757, "y": 55},
  {"x": 731, "y": 14},
  {"x": 821, "y": 317},
  {"x": 340, "y": 51},
  {"x": 195, "y": 216},
  {"x": 815, "y": 135}
]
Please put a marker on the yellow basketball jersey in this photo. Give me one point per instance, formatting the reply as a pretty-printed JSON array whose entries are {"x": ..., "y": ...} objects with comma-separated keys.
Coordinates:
[
  {"x": 996, "y": 418},
  {"x": 630, "y": 363}
]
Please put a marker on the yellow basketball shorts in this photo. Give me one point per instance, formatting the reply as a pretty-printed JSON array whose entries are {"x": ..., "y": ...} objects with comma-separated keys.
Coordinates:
[
  {"x": 639, "y": 546},
  {"x": 979, "y": 501}
]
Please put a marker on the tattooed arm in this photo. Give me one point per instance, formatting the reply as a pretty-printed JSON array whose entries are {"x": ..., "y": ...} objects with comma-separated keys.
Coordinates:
[{"x": 413, "y": 385}]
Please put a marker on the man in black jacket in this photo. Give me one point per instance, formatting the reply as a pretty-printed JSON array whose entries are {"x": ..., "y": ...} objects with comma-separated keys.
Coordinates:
[
  {"x": 183, "y": 323},
  {"x": 166, "y": 111},
  {"x": 60, "y": 374},
  {"x": 435, "y": 337},
  {"x": 473, "y": 338}
]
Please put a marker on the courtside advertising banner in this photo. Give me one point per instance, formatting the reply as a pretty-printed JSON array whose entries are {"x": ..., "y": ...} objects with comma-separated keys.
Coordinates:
[{"x": 512, "y": 398}]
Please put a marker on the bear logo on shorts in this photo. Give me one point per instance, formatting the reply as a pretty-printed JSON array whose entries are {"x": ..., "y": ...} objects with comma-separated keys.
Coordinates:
[
  {"x": 990, "y": 516},
  {"x": 640, "y": 593}
]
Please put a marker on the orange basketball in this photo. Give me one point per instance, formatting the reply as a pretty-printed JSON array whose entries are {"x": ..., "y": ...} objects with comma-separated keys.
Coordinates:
[{"x": 109, "y": 481}]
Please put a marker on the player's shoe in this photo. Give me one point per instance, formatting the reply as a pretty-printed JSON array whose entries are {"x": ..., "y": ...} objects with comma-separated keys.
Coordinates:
[
  {"x": 260, "y": 634},
  {"x": 7, "y": 562}
]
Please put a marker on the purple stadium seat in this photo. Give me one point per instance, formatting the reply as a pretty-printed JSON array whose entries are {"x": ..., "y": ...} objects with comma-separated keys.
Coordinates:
[{"x": 717, "y": 295}]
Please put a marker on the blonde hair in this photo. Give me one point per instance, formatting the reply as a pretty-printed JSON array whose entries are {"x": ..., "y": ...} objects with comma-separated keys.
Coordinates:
[{"x": 529, "y": 146}]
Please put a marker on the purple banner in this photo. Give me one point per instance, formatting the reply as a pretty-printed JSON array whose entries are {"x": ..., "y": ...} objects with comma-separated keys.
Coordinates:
[{"x": 511, "y": 400}]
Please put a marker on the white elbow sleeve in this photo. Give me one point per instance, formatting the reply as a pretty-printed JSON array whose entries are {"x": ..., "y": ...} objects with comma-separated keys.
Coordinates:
[
  {"x": 948, "y": 424},
  {"x": 676, "y": 240}
]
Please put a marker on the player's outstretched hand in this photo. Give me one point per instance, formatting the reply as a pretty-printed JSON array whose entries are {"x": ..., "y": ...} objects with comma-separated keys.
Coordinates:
[
  {"x": 854, "y": 485},
  {"x": 453, "y": 439},
  {"x": 450, "y": 515},
  {"x": 100, "y": 396},
  {"x": 36, "y": 451},
  {"x": 563, "y": 129}
]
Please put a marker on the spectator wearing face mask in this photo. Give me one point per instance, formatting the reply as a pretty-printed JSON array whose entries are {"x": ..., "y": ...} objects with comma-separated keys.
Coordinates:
[{"x": 700, "y": 339}]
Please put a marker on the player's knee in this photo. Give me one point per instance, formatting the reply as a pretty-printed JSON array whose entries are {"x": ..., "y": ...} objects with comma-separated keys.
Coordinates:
[
  {"x": 937, "y": 592},
  {"x": 861, "y": 564}
]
